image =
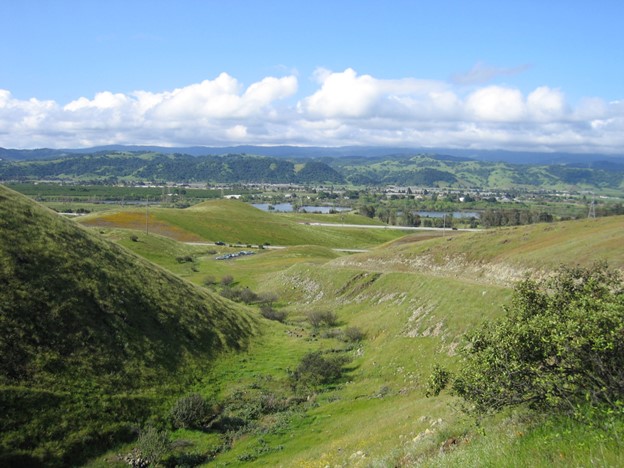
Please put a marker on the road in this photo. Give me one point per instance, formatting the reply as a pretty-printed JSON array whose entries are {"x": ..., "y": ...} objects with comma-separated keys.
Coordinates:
[
  {"x": 383, "y": 226},
  {"x": 270, "y": 247}
]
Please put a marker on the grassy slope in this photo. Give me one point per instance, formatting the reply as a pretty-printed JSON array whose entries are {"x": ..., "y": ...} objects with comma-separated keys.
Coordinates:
[
  {"x": 378, "y": 415},
  {"x": 409, "y": 319},
  {"x": 504, "y": 255},
  {"x": 247, "y": 271},
  {"x": 232, "y": 221},
  {"x": 92, "y": 336}
]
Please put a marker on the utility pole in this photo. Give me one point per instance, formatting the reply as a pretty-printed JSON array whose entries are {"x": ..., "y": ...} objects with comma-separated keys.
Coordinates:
[
  {"x": 147, "y": 216},
  {"x": 592, "y": 208}
]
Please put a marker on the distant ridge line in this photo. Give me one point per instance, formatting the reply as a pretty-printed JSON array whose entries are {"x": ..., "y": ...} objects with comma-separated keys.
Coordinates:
[{"x": 286, "y": 151}]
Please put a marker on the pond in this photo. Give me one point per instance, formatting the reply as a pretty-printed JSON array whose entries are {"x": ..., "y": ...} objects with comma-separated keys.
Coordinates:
[{"x": 288, "y": 208}]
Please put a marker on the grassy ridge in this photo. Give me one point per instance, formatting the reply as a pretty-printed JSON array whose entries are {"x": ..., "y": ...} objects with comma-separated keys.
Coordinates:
[
  {"x": 505, "y": 254},
  {"x": 232, "y": 221},
  {"x": 93, "y": 336},
  {"x": 378, "y": 414}
]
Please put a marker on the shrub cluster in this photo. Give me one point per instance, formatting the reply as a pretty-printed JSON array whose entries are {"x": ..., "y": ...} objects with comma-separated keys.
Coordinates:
[{"x": 561, "y": 344}]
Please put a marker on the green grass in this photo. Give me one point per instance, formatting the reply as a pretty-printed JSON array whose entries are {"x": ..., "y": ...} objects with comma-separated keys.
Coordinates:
[
  {"x": 334, "y": 218},
  {"x": 502, "y": 255},
  {"x": 411, "y": 320},
  {"x": 536, "y": 441},
  {"x": 109, "y": 337},
  {"x": 237, "y": 222},
  {"x": 377, "y": 413}
]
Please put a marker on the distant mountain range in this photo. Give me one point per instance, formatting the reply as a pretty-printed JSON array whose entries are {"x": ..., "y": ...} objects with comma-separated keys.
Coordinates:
[
  {"x": 423, "y": 170},
  {"x": 587, "y": 160}
]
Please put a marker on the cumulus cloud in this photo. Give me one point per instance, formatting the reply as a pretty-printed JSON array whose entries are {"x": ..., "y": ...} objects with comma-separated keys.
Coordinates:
[
  {"x": 347, "y": 94},
  {"x": 346, "y": 108}
]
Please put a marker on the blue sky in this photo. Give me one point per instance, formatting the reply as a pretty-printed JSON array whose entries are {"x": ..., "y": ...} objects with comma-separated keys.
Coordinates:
[{"x": 526, "y": 75}]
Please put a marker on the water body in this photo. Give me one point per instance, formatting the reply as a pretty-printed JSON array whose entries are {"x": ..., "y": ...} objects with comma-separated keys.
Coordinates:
[
  {"x": 288, "y": 208},
  {"x": 456, "y": 214}
]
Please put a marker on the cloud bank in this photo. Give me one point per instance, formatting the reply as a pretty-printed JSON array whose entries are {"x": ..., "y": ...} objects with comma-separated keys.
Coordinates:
[{"x": 346, "y": 108}]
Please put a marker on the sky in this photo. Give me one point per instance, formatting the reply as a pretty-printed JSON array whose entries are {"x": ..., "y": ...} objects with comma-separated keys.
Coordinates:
[{"x": 528, "y": 75}]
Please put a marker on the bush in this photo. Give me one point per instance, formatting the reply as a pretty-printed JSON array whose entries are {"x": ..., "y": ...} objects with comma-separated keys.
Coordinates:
[
  {"x": 191, "y": 412},
  {"x": 210, "y": 280},
  {"x": 561, "y": 344},
  {"x": 248, "y": 296},
  {"x": 354, "y": 334},
  {"x": 318, "y": 318},
  {"x": 227, "y": 280},
  {"x": 153, "y": 445},
  {"x": 267, "y": 298},
  {"x": 315, "y": 370},
  {"x": 239, "y": 294},
  {"x": 270, "y": 313}
]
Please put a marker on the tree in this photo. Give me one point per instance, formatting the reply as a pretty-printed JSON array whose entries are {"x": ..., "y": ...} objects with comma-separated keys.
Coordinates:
[{"x": 560, "y": 344}]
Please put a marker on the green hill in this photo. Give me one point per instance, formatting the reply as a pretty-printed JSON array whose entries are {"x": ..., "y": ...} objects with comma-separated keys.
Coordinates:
[
  {"x": 231, "y": 168},
  {"x": 411, "y": 300},
  {"x": 427, "y": 170},
  {"x": 503, "y": 255},
  {"x": 233, "y": 221},
  {"x": 93, "y": 339}
]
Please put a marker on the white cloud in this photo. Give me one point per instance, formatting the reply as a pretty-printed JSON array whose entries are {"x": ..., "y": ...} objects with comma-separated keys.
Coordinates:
[
  {"x": 497, "y": 104},
  {"x": 546, "y": 104},
  {"x": 345, "y": 109},
  {"x": 347, "y": 95}
]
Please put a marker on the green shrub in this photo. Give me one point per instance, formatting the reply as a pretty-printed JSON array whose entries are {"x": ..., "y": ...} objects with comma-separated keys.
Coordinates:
[
  {"x": 153, "y": 445},
  {"x": 322, "y": 317},
  {"x": 561, "y": 344},
  {"x": 184, "y": 259},
  {"x": 209, "y": 280},
  {"x": 191, "y": 412},
  {"x": 248, "y": 296},
  {"x": 227, "y": 280},
  {"x": 270, "y": 313},
  {"x": 315, "y": 370},
  {"x": 354, "y": 334}
]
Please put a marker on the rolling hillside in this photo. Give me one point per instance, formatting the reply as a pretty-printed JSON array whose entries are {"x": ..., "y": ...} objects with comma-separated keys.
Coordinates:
[
  {"x": 411, "y": 301},
  {"x": 232, "y": 221},
  {"x": 503, "y": 256},
  {"x": 411, "y": 169},
  {"x": 446, "y": 171},
  {"x": 93, "y": 338},
  {"x": 232, "y": 168}
]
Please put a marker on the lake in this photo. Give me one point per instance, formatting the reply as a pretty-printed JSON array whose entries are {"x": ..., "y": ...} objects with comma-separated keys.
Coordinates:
[{"x": 288, "y": 208}]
